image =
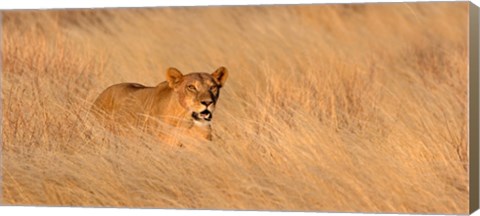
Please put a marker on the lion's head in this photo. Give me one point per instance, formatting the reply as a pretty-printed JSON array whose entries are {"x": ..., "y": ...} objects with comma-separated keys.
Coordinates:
[{"x": 198, "y": 92}]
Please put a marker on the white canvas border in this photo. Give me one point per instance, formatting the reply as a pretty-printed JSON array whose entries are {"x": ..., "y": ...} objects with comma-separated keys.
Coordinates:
[{"x": 45, "y": 4}]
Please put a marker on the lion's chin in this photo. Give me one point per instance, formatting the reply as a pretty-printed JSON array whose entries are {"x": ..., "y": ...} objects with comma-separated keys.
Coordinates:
[{"x": 201, "y": 123}]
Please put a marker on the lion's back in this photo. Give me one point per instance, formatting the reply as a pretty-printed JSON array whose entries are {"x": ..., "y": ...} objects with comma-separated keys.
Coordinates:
[{"x": 115, "y": 96}]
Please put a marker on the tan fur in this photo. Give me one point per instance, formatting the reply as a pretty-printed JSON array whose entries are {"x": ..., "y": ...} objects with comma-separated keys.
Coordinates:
[{"x": 178, "y": 102}]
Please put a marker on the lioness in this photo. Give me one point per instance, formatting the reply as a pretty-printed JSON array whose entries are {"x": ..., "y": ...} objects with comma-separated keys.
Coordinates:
[{"x": 186, "y": 101}]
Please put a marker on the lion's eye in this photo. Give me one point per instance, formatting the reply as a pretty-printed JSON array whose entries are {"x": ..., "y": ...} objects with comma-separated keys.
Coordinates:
[{"x": 191, "y": 88}]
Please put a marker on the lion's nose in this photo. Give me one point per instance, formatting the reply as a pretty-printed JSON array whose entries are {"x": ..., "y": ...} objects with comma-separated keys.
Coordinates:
[{"x": 206, "y": 102}]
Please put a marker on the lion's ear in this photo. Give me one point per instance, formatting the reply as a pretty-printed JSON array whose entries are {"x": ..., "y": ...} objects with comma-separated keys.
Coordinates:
[
  {"x": 174, "y": 76},
  {"x": 221, "y": 75}
]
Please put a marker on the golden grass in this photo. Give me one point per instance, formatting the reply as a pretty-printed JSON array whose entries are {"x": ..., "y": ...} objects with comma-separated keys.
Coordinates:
[{"x": 327, "y": 108}]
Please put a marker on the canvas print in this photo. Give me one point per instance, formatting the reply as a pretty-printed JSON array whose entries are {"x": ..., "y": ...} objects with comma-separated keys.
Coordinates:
[{"x": 327, "y": 107}]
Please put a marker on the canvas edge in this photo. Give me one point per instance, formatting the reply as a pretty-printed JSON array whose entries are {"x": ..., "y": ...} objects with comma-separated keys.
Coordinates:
[{"x": 473, "y": 107}]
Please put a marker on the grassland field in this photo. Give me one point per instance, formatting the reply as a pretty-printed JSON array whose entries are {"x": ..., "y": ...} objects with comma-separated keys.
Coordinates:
[{"x": 339, "y": 108}]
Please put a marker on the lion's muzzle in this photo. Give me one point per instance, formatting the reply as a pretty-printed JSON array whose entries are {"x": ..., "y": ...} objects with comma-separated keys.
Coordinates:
[{"x": 205, "y": 115}]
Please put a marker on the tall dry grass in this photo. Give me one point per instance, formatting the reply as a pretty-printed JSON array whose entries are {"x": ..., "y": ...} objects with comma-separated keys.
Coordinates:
[{"x": 327, "y": 108}]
